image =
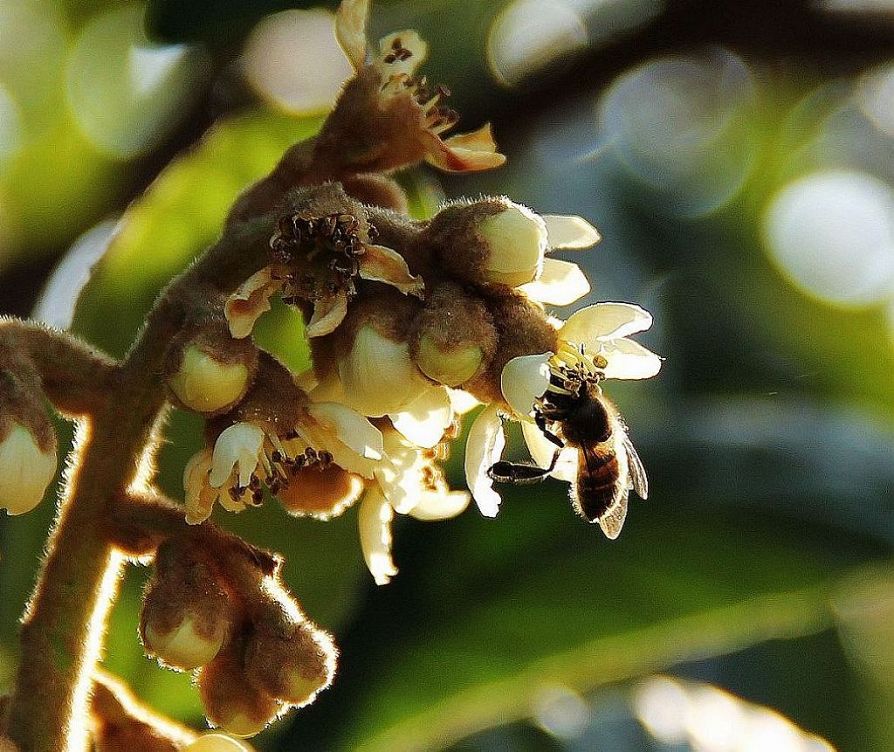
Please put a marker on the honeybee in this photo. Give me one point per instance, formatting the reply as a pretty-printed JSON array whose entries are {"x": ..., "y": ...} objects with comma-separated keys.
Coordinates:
[{"x": 573, "y": 412}]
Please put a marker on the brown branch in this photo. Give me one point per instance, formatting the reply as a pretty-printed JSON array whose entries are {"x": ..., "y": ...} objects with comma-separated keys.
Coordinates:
[{"x": 121, "y": 723}]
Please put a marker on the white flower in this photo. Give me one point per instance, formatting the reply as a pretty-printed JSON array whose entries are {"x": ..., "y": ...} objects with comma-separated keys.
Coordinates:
[
  {"x": 408, "y": 481},
  {"x": 602, "y": 332},
  {"x": 247, "y": 455},
  {"x": 25, "y": 470}
]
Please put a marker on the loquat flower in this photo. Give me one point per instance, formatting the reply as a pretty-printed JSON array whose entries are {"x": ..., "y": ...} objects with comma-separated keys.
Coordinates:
[
  {"x": 248, "y": 455},
  {"x": 408, "y": 480},
  {"x": 595, "y": 337},
  {"x": 27, "y": 465},
  {"x": 207, "y": 382},
  {"x": 406, "y": 119}
]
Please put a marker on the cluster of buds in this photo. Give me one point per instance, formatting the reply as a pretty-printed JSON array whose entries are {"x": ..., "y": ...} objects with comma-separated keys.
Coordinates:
[{"x": 209, "y": 609}]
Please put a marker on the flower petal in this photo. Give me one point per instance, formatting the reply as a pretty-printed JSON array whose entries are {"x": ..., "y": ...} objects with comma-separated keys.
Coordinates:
[
  {"x": 560, "y": 283},
  {"x": 461, "y": 401},
  {"x": 440, "y": 505},
  {"x": 350, "y": 30},
  {"x": 393, "y": 59},
  {"x": 484, "y": 447},
  {"x": 252, "y": 299},
  {"x": 328, "y": 314},
  {"x": 381, "y": 264},
  {"x": 350, "y": 428},
  {"x": 238, "y": 447},
  {"x": 424, "y": 420},
  {"x": 200, "y": 497},
  {"x": 542, "y": 451},
  {"x": 570, "y": 232},
  {"x": 464, "y": 152},
  {"x": 374, "y": 521},
  {"x": 523, "y": 380},
  {"x": 604, "y": 321},
  {"x": 629, "y": 360}
]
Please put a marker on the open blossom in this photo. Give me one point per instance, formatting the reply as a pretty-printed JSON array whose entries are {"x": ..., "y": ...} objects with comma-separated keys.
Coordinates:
[
  {"x": 407, "y": 481},
  {"x": 249, "y": 455},
  {"x": 318, "y": 261},
  {"x": 600, "y": 332},
  {"x": 387, "y": 85}
]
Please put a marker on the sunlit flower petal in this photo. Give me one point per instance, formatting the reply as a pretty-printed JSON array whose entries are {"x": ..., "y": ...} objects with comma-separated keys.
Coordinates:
[
  {"x": 629, "y": 360},
  {"x": 252, "y": 299},
  {"x": 593, "y": 324},
  {"x": 400, "y": 53},
  {"x": 237, "y": 448},
  {"x": 374, "y": 520},
  {"x": 200, "y": 497},
  {"x": 483, "y": 448},
  {"x": 437, "y": 505},
  {"x": 461, "y": 401},
  {"x": 570, "y": 232},
  {"x": 381, "y": 264},
  {"x": 523, "y": 380},
  {"x": 328, "y": 313},
  {"x": 350, "y": 428},
  {"x": 424, "y": 420},
  {"x": 542, "y": 451},
  {"x": 350, "y": 30},
  {"x": 465, "y": 152},
  {"x": 560, "y": 283}
]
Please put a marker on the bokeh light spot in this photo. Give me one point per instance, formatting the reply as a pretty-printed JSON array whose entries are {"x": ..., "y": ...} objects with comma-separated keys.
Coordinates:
[
  {"x": 876, "y": 98},
  {"x": 682, "y": 125},
  {"x": 529, "y": 34},
  {"x": 293, "y": 60},
  {"x": 832, "y": 234},
  {"x": 126, "y": 94},
  {"x": 561, "y": 711}
]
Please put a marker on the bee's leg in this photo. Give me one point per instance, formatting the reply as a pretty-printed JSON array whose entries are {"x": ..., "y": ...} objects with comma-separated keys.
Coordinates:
[
  {"x": 540, "y": 420},
  {"x": 512, "y": 472}
]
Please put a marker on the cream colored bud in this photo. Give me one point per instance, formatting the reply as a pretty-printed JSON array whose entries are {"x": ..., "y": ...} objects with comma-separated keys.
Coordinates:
[
  {"x": 451, "y": 367},
  {"x": 184, "y": 646},
  {"x": 25, "y": 470},
  {"x": 378, "y": 375},
  {"x": 516, "y": 239},
  {"x": 208, "y": 385},
  {"x": 216, "y": 743}
]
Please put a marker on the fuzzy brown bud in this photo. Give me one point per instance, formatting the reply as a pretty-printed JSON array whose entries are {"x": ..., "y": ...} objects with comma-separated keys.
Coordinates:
[
  {"x": 292, "y": 662},
  {"x": 230, "y": 701},
  {"x": 453, "y": 337},
  {"x": 492, "y": 241},
  {"x": 186, "y": 614}
]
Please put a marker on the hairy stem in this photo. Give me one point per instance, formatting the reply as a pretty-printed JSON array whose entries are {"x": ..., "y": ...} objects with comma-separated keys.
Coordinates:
[{"x": 63, "y": 624}]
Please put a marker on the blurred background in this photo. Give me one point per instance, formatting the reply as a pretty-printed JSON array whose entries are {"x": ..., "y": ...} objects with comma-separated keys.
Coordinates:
[{"x": 738, "y": 159}]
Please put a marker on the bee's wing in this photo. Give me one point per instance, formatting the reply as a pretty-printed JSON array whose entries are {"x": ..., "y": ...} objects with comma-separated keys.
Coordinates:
[
  {"x": 635, "y": 467},
  {"x": 613, "y": 519}
]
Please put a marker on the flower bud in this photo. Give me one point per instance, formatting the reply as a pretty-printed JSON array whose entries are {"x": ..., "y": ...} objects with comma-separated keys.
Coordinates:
[
  {"x": 321, "y": 492},
  {"x": 453, "y": 335},
  {"x": 27, "y": 465},
  {"x": 209, "y": 379},
  {"x": 291, "y": 662},
  {"x": 516, "y": 242},
  {"x": 185, "y": 616},
  {"x": 216, "y": 743},
  {"x": 446, "y": 366},
  {"x": 377, "y": 373},
  {"x": 230, "y": 701}
]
